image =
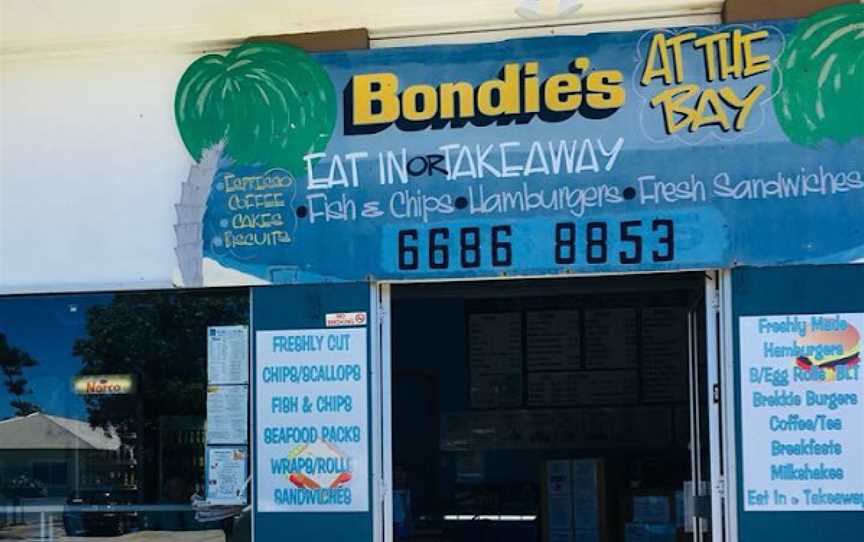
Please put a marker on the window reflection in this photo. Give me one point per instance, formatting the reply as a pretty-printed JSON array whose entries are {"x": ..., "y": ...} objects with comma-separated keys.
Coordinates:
[{"x": 102, "y": 415}]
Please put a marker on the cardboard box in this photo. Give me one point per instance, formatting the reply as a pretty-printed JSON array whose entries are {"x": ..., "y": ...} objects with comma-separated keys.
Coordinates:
[
  {"x": 561, "y": 536},
  {"x": 650, "y": 532},
  {"x": 651, "y": 509},
  {"x": 586, "y": 535},
  {"x": 574, "y": 500}
]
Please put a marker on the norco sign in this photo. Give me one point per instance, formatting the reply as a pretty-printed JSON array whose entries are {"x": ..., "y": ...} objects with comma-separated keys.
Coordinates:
[{"x": 104, "y": 385}]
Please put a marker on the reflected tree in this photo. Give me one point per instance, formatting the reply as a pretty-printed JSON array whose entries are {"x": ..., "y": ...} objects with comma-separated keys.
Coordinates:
[
  {"x": 13, "y": 361},
  {"x": 160, "y": 339}
]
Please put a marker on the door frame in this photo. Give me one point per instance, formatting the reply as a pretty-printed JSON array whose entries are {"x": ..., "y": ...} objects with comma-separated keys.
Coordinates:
[
  {"x": 716, "y": 401},
  {"x": 377, "y": 318},
  {"x": 729, "y": 408},
  {"x": 384, "y": 456},
  {"x": 721, "y": 409}
]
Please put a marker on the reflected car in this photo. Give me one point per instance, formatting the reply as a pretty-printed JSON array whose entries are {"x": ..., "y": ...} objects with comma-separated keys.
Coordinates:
[{"x": 101, "y": 512}]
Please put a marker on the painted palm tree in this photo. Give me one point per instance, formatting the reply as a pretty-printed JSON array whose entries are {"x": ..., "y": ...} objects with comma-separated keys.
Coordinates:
[{"x": 259, "y": 107}]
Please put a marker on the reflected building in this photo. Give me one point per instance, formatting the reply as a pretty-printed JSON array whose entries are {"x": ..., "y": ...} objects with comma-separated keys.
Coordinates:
[{"x": 44, "y": 456}]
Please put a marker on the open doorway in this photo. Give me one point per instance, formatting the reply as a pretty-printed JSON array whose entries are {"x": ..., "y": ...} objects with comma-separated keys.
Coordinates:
[{"x": 551, "y": 410}]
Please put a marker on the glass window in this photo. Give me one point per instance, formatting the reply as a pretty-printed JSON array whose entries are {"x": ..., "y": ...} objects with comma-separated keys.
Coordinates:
[
  {"x": 50, "y": 474},
  {"x": 102, "y": 414}
]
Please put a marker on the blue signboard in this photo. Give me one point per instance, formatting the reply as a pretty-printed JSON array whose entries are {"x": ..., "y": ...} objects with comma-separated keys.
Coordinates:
[{"x": 652, "y": 150}]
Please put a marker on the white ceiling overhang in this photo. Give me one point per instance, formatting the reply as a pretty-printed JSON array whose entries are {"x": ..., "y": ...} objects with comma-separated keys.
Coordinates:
[{"x": 63, "y": 26}]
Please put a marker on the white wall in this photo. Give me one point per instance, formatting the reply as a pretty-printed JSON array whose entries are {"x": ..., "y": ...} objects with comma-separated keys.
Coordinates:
[
  {"x": 44, "y": 24},
  {"x": 90, "y": 161},
  {"x": 90, "y": 169}
]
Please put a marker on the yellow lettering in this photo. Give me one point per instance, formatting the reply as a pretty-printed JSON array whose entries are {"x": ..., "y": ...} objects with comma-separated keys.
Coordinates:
[
  {"x": 754, "y": 64},
  {"x": 673, "y": 100},
  {"x": 744, "y": 106},
  {"x": 730, "y": 61},
  {"x": 709, "y": 46},
  {"x": 562, "y": 92},
  {"x": 507, "y": 90},
  {"x": 675, "y": 43},
  {"x": 604, "y": 89},
  {"x": 531, "y": 96},
  {"x": 380, "y": 88},
  {"x": 419, "y": 103},
  {"x": 375, "y": 100},
  {"x": 656, "y": 50},
  {"x": 453, "y": 93},
  {"x": 709, "y": 110}
]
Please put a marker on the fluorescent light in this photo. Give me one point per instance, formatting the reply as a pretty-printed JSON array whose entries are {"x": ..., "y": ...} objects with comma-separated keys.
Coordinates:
[
  {"x": 482, "y": 517},
  {"x": 530, "y": 9},
  {"x": 569, "y": 7}
]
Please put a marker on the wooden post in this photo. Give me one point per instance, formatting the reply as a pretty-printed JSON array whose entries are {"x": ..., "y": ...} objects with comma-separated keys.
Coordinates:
[
  {"x": 318, "y": 42},
  {"x": 738, "y": 11}
]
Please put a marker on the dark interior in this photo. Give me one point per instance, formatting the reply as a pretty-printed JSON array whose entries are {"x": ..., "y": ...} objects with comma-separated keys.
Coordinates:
[{"x": 499, "y": 385}]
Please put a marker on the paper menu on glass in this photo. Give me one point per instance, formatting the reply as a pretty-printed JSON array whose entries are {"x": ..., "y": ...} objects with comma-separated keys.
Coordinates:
[
  {"x": 226, "y": 414},
  {"x": 226, "y": 475},
  {"x": 228, "y": 355}
]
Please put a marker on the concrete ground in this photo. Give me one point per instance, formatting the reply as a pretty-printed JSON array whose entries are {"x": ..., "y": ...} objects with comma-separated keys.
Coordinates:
[{"x": 34, "y": 532}]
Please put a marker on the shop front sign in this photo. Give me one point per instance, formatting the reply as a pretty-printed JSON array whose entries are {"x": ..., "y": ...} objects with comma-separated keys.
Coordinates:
[{"x": 671, "y": 149}]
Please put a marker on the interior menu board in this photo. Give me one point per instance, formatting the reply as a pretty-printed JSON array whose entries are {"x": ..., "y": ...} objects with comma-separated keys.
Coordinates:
[
  {"x": 492, "y": 391},
  {"x": 552, "y": 340},
  {"x": 610, "y": 388},
  {"x": 610, "y": 338},
  {"x": 495, "y": 359},
  {"x": 554, "y": 389},
  {"x": 664, "y": 354},
  {"x": 571, "y": 429},
  {"x": 583, "y": 388},
  {"x": 802, "y": 406}
]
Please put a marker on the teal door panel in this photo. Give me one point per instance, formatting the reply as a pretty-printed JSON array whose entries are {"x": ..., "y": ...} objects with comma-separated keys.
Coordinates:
[
  {"x": 304, "y": 307},
  {"x": 798, "y": 290}
]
